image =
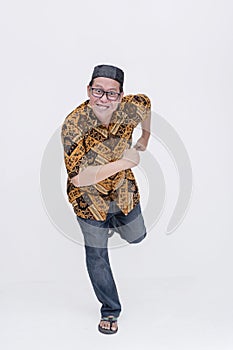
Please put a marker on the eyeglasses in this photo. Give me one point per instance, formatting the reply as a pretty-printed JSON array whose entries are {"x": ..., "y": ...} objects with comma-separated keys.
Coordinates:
[{"x": 111, "y": 95}]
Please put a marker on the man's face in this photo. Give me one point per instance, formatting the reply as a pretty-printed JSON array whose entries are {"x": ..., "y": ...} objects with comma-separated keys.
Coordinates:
[{"x": 102, "y": 106}]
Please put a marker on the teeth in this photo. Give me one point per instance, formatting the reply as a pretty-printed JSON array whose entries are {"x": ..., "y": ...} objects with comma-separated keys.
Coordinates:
[{"x": 102, "y": 107}]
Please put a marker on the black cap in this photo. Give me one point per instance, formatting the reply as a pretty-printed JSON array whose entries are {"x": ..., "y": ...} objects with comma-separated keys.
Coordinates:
[{"x": 107, "y": 71}]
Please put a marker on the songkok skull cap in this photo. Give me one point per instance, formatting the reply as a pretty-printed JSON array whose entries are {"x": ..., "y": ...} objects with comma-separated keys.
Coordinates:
[{"x": 107, "y": 71}]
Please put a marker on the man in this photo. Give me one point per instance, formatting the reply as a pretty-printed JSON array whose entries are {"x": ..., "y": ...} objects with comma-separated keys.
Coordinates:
[{"x": 97, "y": 139}]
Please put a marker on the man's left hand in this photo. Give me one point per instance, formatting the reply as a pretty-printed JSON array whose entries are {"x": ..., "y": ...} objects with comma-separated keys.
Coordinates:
[{"x": 141, "y": 144}]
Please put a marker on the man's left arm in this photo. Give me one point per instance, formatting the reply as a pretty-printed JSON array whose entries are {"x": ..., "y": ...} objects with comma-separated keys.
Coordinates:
[{"x": 142, "y": 142}]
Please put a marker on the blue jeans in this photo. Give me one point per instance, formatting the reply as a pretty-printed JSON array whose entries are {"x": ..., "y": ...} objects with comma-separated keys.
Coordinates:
[{"x": 131, "y": 228}]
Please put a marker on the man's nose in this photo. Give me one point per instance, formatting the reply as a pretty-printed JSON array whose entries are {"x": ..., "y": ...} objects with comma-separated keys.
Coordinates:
[{"x": 104, "y": 98}]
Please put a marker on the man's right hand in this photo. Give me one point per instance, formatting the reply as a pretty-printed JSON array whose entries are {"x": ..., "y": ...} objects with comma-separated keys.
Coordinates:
[{"x": 131, "y": 158}]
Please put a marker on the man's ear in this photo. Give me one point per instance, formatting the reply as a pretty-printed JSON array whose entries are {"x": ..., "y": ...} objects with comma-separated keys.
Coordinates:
[{"x": 88, "y": 90}]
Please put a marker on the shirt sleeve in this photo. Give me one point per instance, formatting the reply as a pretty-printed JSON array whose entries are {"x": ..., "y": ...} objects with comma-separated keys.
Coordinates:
[
  {"x": 73, "y": 144},
  {"x": 137, "y": 107}
]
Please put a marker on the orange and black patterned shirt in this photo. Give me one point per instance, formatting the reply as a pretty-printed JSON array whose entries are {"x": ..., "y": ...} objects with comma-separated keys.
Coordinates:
[{"x": 87, "y": 142}]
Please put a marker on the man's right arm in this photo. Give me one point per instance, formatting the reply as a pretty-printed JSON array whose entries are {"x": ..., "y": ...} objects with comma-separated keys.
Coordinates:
[
  {"x": 72, "y": 141},
  {"x": 94, "y": 174}
]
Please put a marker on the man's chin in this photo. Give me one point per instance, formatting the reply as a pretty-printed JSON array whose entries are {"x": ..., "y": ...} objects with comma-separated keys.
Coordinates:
[{"x": 103, "y": 112}]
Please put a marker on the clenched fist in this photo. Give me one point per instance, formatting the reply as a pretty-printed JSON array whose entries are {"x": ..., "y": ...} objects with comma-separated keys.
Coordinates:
[{"x": 130, "y": 158}]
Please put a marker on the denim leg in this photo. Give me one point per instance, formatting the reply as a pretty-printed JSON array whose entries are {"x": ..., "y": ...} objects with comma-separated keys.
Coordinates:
[
  {"x": 100, "y": 273},
  {"x": 131, "y": 227},
  {"x": 98, "y": 266}
]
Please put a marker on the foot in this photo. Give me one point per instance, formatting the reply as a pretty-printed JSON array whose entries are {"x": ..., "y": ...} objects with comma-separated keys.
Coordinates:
[
  {"x": 110, "y": 233},
  {"x": 108, "y": 325}
]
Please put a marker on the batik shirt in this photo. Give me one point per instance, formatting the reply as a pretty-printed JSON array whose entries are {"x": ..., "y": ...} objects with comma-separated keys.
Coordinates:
[{"x": 87, "y": 142}]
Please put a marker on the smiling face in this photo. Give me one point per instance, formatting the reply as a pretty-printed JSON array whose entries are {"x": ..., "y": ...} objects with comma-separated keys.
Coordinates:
[{"x": 102, "y": 107}]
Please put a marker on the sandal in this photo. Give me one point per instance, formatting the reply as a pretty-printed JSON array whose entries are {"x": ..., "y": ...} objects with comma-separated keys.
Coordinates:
[{"x": 110, "y": 319}]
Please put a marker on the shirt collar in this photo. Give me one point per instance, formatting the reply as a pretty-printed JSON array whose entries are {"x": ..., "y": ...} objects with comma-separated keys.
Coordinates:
[{"x": 117, "y": 118}]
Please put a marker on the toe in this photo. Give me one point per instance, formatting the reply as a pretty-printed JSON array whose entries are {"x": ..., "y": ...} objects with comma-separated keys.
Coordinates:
[{"x": 114, "y": 326}]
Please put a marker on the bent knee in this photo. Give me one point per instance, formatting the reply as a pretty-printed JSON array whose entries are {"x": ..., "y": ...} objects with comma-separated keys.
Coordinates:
[{"x": 138, "y": 240}]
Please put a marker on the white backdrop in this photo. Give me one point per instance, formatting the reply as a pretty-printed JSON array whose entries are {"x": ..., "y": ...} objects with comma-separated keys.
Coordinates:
[{"x": 180, "y": 54}]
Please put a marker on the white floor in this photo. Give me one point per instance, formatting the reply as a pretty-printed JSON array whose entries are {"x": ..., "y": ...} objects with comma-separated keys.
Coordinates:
[{"x": 174, "y": 313}]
